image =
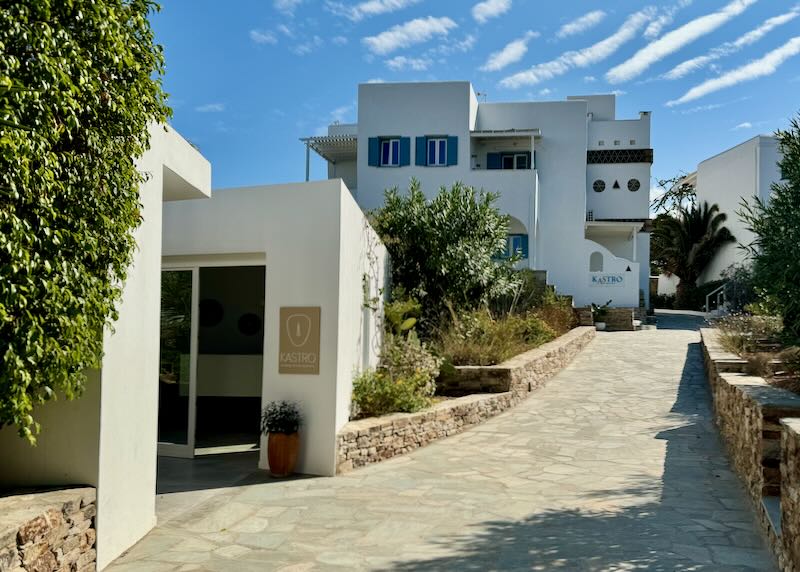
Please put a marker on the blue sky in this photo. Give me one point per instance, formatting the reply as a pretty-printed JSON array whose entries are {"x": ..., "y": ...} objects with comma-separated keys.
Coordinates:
[{"x": 248, "y": 78}]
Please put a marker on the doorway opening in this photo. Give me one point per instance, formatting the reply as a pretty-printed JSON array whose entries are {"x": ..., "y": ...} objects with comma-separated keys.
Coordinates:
[{"x": 212, "y": 350}]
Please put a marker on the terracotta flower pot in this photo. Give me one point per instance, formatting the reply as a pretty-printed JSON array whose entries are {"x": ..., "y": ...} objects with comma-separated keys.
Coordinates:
[{"x": 282, "y": 453}]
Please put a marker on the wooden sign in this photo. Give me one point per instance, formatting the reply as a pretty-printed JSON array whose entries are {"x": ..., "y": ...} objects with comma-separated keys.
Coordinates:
[{"x": 299, "y": 340}]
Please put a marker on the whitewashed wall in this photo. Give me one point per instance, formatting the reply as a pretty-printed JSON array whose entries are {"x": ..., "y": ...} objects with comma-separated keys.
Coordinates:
[
  {"x": 311, "y": 237},
  {"x": 108, "y": 437}
]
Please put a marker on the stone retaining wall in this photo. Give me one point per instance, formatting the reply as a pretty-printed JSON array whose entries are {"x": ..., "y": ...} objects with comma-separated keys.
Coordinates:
[
  {"x": 371, "y": 440},
  {"x": 750, "y": 415},
  {"x": 48, "y": 531},
  {"x": 790, "y": 489},
  {"x": 522, "y": 373}
]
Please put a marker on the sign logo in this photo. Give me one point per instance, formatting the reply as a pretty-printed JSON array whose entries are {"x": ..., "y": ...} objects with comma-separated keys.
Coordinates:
[
  {"x": 607, "y": 280},
  {"x": 298, "y": 328},
  {"x": 299, "y": 340}
]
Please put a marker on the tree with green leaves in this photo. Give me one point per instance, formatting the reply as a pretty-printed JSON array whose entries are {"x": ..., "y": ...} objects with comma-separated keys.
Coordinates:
[
  {"x": 446, "y": 251},
  {"x": 677, "y": 192},
  {"x": 776, "y": 226},
  {"x": 685, "y": 244},
  {"x": 79, "y": 84}
]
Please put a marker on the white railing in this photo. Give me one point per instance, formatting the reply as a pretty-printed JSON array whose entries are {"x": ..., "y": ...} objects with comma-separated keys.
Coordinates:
[{"x": 719, "y": 296}]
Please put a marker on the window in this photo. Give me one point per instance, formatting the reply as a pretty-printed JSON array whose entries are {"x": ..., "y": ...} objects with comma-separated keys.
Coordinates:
[
  {"x": 516, "y": 243},
  {"x": 616, "y": 142},
  {"x": 601, "y": 143},
  {"x": 521, "y": 162},
  {"x": 437, "y": 152},
  {"x": 599, "y": 186},
  {"x": 508, "y": 162},
  {"x": 634, "y": 185},
  {"x": 633, "y": 141},
  {"x": 390, "y": 152},
  {"x": 596, "y": 262}
]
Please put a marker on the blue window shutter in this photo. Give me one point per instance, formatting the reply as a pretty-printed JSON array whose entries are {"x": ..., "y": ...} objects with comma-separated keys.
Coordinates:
[
  {"x": 494, "y": 161},
  {"x": 530, "y": 162},
  {"x": 374, "y": 152},
  {"x": 405, "y": 151},
  {"x": 452, "y": 151},
  {"x": 524, "y": 238},
  {"x": 420, "y": 154}
]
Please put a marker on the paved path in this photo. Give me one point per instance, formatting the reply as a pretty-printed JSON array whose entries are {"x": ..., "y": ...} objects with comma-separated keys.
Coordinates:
[{"x": 614, "y": 465}]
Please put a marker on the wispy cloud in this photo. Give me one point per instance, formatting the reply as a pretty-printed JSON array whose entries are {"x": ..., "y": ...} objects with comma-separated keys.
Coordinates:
[
  {"x": 368, "y": 8},
  {"x": 762, "y": 67},
  {"x": 488, "y": 9},
  {"x": 511, "y": 53},
  {"x": 673, "y": 41},
  {"x": 376, "y": 80},
  {"x": 286, "y": 6},
  {"x": 262, "y": 37},
  {"x": 664, "y": 19},
  {"x": 728, "y": 48},
  {"x": 308, "y": 46},
  {"x": 589, "y": 79},
  {"x": 545, "y": 92},
  {"x": 400, "y": 63},
  {"x": 745, "y": 125},
  {"x": 339, "y": 40},
  {"x": 711, "y": 106},
  {"x": 451, "y": 47},
  {"x": 286, "y": 31},
  {"x": 580, "y": 25},
  {"x": 210, "y": 108},
  {"x": 408, "y": 34},
  {"x": 581, "y": 58}
]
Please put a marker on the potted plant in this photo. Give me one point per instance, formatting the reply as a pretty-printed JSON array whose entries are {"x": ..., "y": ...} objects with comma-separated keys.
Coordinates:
[
  {"x": 280, "y": 422},
  {"x": 599, "y": 314}
]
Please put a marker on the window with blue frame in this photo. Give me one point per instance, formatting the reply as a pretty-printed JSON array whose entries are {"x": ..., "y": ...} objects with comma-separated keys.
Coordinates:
[
  {"x": 437, "y": 152},
  {"x": 390, "y": 152},
  {"x": 516, "y": 244}
]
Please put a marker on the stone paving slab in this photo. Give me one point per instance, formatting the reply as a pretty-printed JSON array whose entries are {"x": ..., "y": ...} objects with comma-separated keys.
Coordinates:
[{"x": 614, "y": 465}]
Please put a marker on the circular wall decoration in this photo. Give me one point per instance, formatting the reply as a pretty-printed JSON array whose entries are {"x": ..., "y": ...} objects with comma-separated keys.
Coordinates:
[
  {"x": 211, "y": 312},
  {"x": 249, "y": 324},
  {"x": 634, "y": 185},
  {"x": 599, "y": 186}
]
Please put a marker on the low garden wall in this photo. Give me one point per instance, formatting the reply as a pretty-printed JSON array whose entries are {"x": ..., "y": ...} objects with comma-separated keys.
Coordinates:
[
  {"x": 756, "y": 422},
  {"x": 493, "y": 390},
  {"x": 48, "y": 531}
]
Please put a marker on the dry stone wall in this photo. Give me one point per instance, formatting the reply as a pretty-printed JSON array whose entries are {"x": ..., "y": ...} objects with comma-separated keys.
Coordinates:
[
  {"x": 48, "y": 531},
  {"x": 494, "y": 388},
  {"x": 756, "y": 421}
]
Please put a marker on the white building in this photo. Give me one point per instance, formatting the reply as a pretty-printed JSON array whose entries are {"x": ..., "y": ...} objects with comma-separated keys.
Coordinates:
[
  {"x": 741, "y": 172},
  {"x": 573, "y": 177}
]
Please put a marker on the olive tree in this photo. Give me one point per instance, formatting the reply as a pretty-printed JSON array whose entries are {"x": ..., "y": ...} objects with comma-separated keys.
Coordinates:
[
  {"x": 79, "y": 84},
  {"x": 447, "y": 251},
  {"x": 776, "y": 226}
]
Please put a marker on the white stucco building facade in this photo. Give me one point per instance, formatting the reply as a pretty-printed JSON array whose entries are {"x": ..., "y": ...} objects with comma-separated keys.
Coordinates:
[
  {"x": 742, "y": 172},
  {"x": 573, "y": 177},
  {"x": 107, "y": 437}
]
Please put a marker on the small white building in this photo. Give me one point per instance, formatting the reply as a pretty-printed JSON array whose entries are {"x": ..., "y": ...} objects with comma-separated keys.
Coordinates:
[
  {"x": 573, "y": 177},
  {"x": 742, "y": 172}
]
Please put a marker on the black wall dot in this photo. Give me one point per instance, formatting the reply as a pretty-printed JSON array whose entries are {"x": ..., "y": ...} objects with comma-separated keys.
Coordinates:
[{"x": 616, "y": 184}]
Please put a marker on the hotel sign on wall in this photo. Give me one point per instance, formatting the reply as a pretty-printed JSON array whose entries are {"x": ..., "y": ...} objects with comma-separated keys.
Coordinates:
[
  {"x": 607, "y": 280},
  {"x": 298, "y": 349}
]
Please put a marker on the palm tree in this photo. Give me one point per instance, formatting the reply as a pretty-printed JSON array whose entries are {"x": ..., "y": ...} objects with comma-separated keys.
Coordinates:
[{"x": 684, "y": 245}]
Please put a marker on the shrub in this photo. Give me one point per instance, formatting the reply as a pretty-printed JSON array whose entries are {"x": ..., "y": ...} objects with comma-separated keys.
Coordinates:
[
  {"x": 556, "y": 312},
  {"x": 477, "y": 338},
  {"x": 776, "y": 226},
  {"x": 446, "y": 250},
  {"x": 79, "y": 84},
  {"x": 529, "y": 292},
  {"x": 663, "y": 301},
  {"x": 747, "y": 334},
  {"x": 405, "y": 380},
  {"x": 281, "y": 417},
  {"x": 739, "y": 288}
]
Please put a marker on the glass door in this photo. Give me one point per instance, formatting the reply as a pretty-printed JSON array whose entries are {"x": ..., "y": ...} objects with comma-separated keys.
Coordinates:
[{"x": 177, "y": 363}]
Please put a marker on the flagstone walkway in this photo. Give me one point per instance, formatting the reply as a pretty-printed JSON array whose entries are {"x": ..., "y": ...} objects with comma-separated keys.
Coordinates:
[{"x": 614, "y": 465}]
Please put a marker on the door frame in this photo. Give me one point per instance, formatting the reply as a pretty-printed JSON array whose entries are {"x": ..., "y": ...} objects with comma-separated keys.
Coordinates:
[
  {"x": 186, "y": 451},
  {"x": 194, "y": 263}
]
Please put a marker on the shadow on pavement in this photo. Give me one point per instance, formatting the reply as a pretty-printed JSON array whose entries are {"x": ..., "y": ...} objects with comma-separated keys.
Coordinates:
[{"x": 681, "y": 524}]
